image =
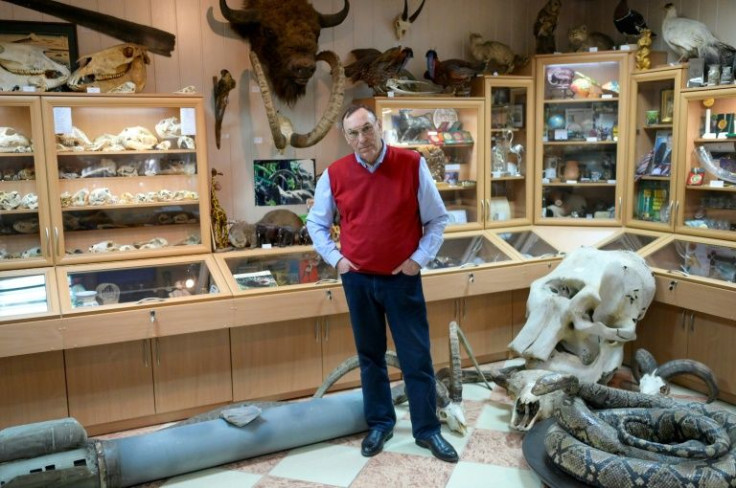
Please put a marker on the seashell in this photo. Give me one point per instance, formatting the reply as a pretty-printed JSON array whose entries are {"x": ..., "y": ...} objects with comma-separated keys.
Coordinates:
[
  {"x": 155, "y": 243},
  {"x": 100, "y": 196},
  {"x": 30, "y": 201},
  {"x": 80, "y": 198},
  {"x": 104, "y": 246},
  {"x": 137, "y": 138},
  {"x": 34, "y": 252},
  {"x": 9, "y": 200},
  {"x": 168, "y": 128},
  {"x": 26, "y": 226},
  {"x": 185, "y": 142}
]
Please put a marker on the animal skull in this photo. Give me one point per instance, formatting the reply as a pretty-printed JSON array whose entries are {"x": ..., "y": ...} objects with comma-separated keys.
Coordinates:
[
  {"x": 404, "y": 21},
  {"x": 580, "y": 315},
  {"x": 13, "y": 141},
  {"x": 111, "y": 67},
  {"x": 168, "y": 128},
  {"x": 9, "y": 200},
  {"x": 100, "y": 196},
  {"x": 27, "y": 65},
  {"x": 137, "y": 138}
]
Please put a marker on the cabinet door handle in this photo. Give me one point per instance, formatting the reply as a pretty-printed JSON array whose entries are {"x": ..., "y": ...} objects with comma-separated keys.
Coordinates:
[
  {"x": 316, "y": 330},
  {"x": 620, "y": 204},
  {"x": 483, "y": 208},
  {"x": 158, "y": 351},
  {"x": 465, "y": 309},
  {"x": 669, "y": 211},
  {"x": 327, "y": 329},
  {"x": 56, "y": 239}
]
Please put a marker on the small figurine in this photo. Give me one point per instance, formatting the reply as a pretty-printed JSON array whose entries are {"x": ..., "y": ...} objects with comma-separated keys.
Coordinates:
[{"x": 644, "y": 50}]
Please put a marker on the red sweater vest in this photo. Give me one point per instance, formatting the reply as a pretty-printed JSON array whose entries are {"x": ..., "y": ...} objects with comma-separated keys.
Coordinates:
[{"x": 380, "y": 225}]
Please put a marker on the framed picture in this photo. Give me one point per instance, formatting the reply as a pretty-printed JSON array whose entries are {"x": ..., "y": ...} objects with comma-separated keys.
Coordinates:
[
  {"x": 517, "y": 116},
  {"x": 662, "y": 158},
  {"x": 284, "y": 181},
  {"x": 667, "y": 106},
  {"x": 59, "y": 39}
]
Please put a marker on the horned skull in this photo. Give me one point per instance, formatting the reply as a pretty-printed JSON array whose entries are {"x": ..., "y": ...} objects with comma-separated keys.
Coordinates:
[
  {"x": 580, "y": 315},
  {"x": 27, "y": 65},
  {"x": 111, "y": 67},
  {"x": 404, "y": 21}
]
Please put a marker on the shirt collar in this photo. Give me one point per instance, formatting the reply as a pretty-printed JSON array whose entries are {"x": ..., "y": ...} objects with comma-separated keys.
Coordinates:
[{"x": 378, "y": 162}]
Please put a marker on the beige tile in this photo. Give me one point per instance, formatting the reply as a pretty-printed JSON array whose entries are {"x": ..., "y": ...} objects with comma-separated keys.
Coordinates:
[
  {"x": 215, "y": 477},
  {"x": 496, "y": 448},
  {"x": 276, "y": 482},
  {"x": 258, "y": 465},
  {"x": 494, "y": 416},
  {"x": 474, "y": 475},
  {"x": 391, "y": 469},
  {"x": 321, "y": 463}
]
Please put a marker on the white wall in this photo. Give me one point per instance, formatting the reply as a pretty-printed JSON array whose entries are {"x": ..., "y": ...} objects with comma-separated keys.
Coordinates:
[{"x": 205, "y": 44}]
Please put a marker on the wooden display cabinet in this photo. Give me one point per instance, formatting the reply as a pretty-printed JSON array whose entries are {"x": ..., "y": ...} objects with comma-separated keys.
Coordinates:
[
  {"x": 654, "y": 159},
  {"x": 581, "y": 101},
  {"x": 707, "y": 189},
  {"x": 24, "y": 209},
  {"x": 115, "y": 195},
  {"x": 509, "y": 124},
  {"x": 456, "y": 127}
]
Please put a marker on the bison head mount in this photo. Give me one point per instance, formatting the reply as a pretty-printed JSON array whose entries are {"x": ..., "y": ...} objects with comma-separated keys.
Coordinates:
[{"x": 283, "y": 37}]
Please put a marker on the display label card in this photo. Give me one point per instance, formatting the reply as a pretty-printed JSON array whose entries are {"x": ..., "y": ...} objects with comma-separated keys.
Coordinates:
[
  {"x": 611, "y": 182},
  {"x": 62, "y": 120},
  {"x": 188, "y": 121},
  {"x": 716, "y": 184},
  {"x": 624, "y": 47},
  {"x": 606, "y": 95},
  {"x": 571, "y": 182},
  {"x": 591, "y": 139},
  {"x": 560, "y": 134},
  {"x": 266, "y": 246},
  {"x": 593, "y": 49},
  {"x": 93, "y": 89},
  {"x": 28, "y": 88}
]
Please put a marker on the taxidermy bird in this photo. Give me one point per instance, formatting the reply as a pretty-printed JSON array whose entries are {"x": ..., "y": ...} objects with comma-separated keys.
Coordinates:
[
  {"x": 629, "y": 22},
  {"x": 690, "y": 38},
  {"x": 452, "y": 74},
  {"x": 545, "y": 26},
  {"x": 221, "y": 89},
  {"x": 374, "y": 67}
]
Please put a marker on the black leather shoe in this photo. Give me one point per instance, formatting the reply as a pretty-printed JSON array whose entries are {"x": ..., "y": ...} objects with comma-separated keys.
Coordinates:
[
  {"x": 441, "y": 449},
  {"x": 373, "y": 442}
]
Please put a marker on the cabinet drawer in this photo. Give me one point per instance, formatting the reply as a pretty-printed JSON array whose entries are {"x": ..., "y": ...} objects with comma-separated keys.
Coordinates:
[
  {"x": 30, "y": 337},
  {"x": 276, "y": 307},
  {"x": 111, "y": 327}
]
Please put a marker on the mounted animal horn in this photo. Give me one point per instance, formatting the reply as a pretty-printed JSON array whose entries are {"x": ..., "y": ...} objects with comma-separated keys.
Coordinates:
[
  {"x": 678, "y": 367},
  {"x": 244, "y": 16},
  {"x": 332, "y": 20},
  {"x": 402, "y": 22}
]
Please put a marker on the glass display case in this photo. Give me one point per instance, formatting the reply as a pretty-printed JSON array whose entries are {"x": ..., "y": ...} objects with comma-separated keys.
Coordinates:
[
  {"x": 509, "y": 122},
  {"x": 653, "y": 155},
  {"x": 449, "y": 133},
  {"x": 581, "y": 103},
  {"x": 631, "y": 240},
  {"x": 467, "y": 250},
  {"x": 707, "y": 260},
  {"x": 528, "y": 244},
  {"x": 24, "y": 211},
  {"x": 28, "y": 293},
  {"x": 130, "y": 284},
  {"x": 707, "y": 189},
  {"x": 128, "y": 176},
  {"x": 257, "y": 271}
]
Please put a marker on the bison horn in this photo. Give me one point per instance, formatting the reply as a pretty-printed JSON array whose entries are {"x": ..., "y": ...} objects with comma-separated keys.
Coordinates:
[
  {"x": 249, "y": 16},
  {"x": 644, "y": 363},
  {"x": 690, "y": 366},
  {"x": 281, "y": 128},
  {"x": 332, "y": 20}
]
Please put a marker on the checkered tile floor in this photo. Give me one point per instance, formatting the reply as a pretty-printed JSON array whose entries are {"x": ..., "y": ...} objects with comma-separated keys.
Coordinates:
[{"x": 490, "y": 455}]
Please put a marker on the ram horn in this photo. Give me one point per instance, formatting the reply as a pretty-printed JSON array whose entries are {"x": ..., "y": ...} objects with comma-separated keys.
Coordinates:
[
  {"x": 332, "y": 20},
  {"x": 282, "y": 130},
  {"x": 644, "y": 363},
  {"x": 678, "y": 367},
  {"x": 240, "y": 17}
]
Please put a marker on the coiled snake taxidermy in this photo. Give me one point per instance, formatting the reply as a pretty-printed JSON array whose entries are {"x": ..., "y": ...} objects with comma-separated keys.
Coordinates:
[{"x": 638, "y": 440}]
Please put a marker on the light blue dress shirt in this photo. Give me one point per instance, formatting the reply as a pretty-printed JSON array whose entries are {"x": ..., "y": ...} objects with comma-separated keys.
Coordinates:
[{"x": 432, "y": 213}]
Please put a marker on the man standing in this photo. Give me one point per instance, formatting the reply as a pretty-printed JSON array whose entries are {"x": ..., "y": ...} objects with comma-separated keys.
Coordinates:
[{"x": 391, "y": 224}]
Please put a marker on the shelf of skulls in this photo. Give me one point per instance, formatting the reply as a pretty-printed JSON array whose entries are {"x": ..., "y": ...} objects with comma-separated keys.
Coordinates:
[{"x": 128, "y": 174}]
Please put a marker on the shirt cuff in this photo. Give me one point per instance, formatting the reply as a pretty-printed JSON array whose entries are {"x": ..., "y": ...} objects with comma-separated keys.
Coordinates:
[{"x": 333, "y": 258}]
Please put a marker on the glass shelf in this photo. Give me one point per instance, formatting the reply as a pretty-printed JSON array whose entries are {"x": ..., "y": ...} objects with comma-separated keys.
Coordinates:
[
  {"x": 28, "y": 294},
  {"x": 528, "y": 244},
  {"x": 467, "y": 250},
  {"x": 706, "y": 260}
]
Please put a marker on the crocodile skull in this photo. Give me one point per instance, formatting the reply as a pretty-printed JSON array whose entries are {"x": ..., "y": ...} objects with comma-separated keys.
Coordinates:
[
  {"x": 13, "y": 141},
  {"x": 111, "y": 67},
  {"x": 27, "y": 65},
  {"x": 580, "y": 315}
]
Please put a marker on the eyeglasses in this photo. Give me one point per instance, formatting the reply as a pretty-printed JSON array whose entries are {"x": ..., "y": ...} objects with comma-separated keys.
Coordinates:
[{"x": 367, "y": 130}]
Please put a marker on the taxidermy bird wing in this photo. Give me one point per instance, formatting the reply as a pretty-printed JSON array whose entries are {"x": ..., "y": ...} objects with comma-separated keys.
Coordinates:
[
  {"x": 375, "y": 68},
  {"x": 629, "y": 21},
  {"x": 363, "y": 58},
  {"x": 451, "y": 72},
  {"x": 221, "y": 90},
  {"x": 691, "y": 38}
]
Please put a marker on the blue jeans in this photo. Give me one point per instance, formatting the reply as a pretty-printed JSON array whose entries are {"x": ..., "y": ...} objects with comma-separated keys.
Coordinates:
[{"x": 371, "y": 299}]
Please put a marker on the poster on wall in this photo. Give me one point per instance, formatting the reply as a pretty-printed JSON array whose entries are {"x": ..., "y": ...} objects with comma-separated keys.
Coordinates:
[{"x": 284, "y": 181}]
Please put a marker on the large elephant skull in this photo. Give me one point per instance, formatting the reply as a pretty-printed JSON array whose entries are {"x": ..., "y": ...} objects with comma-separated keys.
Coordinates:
[
  {"x": 112, "y": 67},
  {"x": 580, "y": 315}
]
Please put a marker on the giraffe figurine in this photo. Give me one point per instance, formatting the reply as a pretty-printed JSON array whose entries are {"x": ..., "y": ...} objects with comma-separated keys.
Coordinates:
[{"x": 218, "y": 215}]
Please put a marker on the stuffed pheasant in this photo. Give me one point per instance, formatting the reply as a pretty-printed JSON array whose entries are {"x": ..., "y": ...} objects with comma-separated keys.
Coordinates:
[{"x": 690, "y": 38}]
